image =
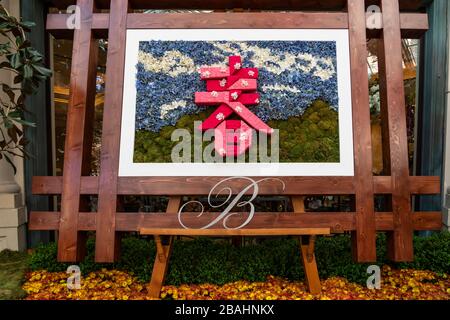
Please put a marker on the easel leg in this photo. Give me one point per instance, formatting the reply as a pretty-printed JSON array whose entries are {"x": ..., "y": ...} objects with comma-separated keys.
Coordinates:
[
  {"x": 307, "y": 252},
  {"x": 310, "y": 265},
  {"x": 163, "y": 252},
  {"x": 160, "y": 266}
]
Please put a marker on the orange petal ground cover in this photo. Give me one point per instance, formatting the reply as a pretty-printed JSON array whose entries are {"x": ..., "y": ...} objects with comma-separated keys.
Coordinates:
[{"x": 118, "y": 285}]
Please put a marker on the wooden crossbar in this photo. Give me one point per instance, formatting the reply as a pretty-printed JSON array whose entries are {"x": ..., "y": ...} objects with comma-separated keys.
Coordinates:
[
  {"x": 201, "y": 185},
  {"x": 235, "y": 232}
]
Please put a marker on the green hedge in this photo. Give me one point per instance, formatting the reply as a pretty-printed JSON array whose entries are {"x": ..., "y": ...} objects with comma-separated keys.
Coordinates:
[{"x": 215, "y": 261}]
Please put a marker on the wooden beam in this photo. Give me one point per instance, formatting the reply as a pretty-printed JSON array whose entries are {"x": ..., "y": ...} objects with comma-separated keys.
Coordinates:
[
  {"x": 109, "y": 166},
  {"x": 364, "y": 236},
  {"x": 251, "y": 20},
  {"x": 392, "y": 94},
  {"x": 202, "y": 185},
  {"x": 216, "y": 232},
  {"x": 58, "y": 21},
  {"x": 417, "y": 185},
  {"x": 413, "y": 25},
  {"x": 317, "y": 5},
  {"x": 336, "y": 221},
  {"x": 83, "y": 69}
]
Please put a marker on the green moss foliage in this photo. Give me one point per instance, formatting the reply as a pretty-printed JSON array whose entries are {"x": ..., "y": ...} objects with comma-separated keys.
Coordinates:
[{"x": 312, "y": 137}]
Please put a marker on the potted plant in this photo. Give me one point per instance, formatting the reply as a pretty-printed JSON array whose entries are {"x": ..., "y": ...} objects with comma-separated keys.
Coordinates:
[{"x": 25, "y": 64}]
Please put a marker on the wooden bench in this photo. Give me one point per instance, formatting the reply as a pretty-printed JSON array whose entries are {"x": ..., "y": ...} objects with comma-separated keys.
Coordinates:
[{"x": 307, "y": 238}]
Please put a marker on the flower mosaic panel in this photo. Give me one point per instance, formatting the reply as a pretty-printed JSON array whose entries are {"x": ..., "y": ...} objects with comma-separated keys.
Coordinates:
[{"x": 297, "y": 84}]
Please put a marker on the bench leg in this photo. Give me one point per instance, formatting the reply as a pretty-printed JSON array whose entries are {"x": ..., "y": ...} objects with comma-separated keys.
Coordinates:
[
  {"x": 163, "y": 252},
  {"x": 309, "y": 264},
  {"x": 160, "y": 266},
  {"x": 307, "y": 251}
]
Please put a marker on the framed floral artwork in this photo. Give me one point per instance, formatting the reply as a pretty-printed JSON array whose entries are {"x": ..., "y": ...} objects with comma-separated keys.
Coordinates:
[{"x": 286, "y": 91}]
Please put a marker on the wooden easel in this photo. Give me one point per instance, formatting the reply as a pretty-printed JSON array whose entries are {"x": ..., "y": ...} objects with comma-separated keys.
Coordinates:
[{"x": 163, "y": 251}]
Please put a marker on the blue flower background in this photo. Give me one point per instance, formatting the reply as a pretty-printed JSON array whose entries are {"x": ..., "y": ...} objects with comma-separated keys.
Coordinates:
[{"x": 292, "y": 75}]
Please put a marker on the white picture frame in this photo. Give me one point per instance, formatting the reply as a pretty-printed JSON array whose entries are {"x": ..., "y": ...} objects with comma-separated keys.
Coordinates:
[{"x": 345, "y": 167}]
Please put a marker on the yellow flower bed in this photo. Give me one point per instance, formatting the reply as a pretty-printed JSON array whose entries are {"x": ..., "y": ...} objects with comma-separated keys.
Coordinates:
[{"x": 119, "y": 285}]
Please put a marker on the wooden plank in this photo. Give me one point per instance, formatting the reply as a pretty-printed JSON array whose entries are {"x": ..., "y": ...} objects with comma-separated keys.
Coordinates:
[
  {"x": 417, "y": 185},
  {"x": 174, "y": 205},
  {"x": 400, "y": 247},
  {"x": 58, "y": 21},
  {"x": 219, "y": 20},
  {"x": 86, "y": 167},
  {"x": 413, "y": 25},
  {"x": 235, "y": 232},
  {"x": 161, "y": 263},
  {"x": 83, "y": 57},
  {"x": 317, "y": 5},
  {"x": 41, "y": 185},
  {"x": 201, "y": 186},
  {"x": 109, "y": 165},
  {"x": 298, "y": 203},
  {"x": 337, "y": 221},
  {"x": 364, "y": 247}
]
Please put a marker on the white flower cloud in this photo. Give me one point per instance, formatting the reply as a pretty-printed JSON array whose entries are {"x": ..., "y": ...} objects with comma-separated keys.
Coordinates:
[
  {"x": 166, "y": 108},
  {"x": 172, "y": 62},
  {"x": 278, "y": 63},
  {"x": 279, "y": 87}
]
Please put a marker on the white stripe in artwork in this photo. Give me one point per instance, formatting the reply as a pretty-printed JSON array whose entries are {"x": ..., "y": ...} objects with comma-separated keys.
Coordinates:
[
  {"x": 279, "y": 63},
  {"x": 166, "y": 108},
  {"x": 172, "y": 62},
  {"x": 280, "y": 87}
]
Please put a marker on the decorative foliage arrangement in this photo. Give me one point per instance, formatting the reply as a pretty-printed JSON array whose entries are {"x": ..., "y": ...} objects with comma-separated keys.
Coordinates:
[
  {"x": 25, "y": 64},
  {"x": 292, "y": 75},
  {"x": 222, "y": 271},
  {"x": 117, "y": 285},
  {"x": 232, "y": 89}
]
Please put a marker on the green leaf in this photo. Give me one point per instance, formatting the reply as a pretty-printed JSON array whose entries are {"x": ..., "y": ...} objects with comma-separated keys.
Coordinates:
[
  {"x": 5, "y": 48},
  {"x": 43, "y": 71},
  {"x": 27, "y": 71},
  {"x": 28, "y": 24},
  {"x": 19, "y": 41},
  {"x": 15, "y": 114},
  {"x": 7, "y": 122},
  {"x": 25, "y": 123},
  {"x": 15, "y": 60}
]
